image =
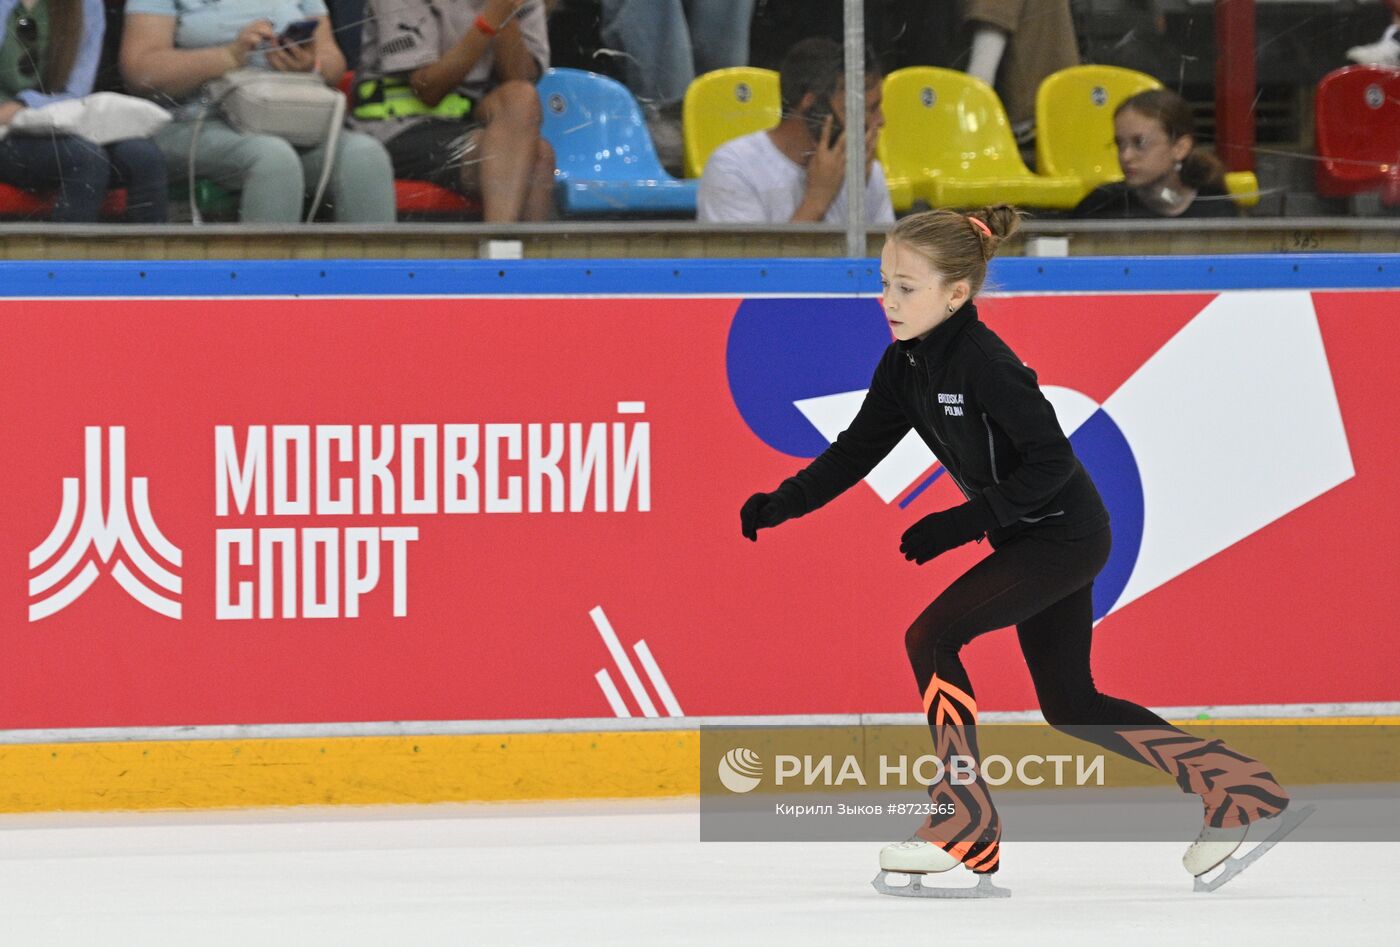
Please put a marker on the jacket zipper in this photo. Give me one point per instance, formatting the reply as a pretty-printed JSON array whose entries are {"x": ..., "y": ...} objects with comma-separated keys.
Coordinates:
[
  {"x": 991, "y": 447},
  {"x": 924, "y": 399}
]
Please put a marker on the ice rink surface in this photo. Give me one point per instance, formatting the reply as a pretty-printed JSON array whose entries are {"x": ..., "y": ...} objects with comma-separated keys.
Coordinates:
[{"x": 628, "y": 873}]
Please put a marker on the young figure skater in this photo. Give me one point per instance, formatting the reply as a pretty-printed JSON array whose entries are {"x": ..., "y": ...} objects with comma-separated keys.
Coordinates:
[{"x": 980, "y": 410}]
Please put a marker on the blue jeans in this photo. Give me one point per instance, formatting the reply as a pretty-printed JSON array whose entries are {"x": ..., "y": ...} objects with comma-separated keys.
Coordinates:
[
  {"x": 82, "y": 172},
  {"x": 667, "y": 43}
]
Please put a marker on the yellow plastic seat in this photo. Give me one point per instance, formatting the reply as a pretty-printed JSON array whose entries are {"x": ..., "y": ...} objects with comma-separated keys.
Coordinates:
[
  {"x": 1074, "y": 127},
  {"x": 726, "y": 104},
  {"x": 948, "y": 136},
  {"x": 901, "y": 190}
]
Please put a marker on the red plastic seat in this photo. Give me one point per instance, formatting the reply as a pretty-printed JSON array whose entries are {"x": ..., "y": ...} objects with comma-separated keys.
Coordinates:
[
  {"x": 17, "y": 202},
  {"x": 427, "y": 199},
  {"x": 1358, "y": 132}
]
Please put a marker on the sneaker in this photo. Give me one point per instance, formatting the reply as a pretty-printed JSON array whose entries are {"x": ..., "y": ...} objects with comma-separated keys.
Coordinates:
[{"x": 1385, "y": 52}]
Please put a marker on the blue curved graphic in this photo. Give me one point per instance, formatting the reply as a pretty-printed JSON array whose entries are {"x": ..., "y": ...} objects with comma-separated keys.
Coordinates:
[
  {"x": 786, "y": 350},
  {"x": 1109, "y": 459}
]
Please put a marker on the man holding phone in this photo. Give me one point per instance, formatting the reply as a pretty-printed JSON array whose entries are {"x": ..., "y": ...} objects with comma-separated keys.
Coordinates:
[{"x": 795, "y": 172}]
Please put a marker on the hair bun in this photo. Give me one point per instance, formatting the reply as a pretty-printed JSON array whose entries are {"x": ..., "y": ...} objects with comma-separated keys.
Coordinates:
[{"x": 1002, "y": 220}]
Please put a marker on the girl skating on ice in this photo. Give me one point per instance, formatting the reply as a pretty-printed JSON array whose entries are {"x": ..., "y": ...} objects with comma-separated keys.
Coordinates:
[{"x": 981, "y": 412}]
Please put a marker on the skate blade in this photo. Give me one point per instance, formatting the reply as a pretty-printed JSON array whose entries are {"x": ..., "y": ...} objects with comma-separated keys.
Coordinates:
[
  {"x": 1289, "y": 820},
  {"x": 915, "y": 888}
]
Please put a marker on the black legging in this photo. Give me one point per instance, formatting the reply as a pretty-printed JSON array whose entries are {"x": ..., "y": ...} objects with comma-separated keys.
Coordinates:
[{"x": 1045, "y": 588}]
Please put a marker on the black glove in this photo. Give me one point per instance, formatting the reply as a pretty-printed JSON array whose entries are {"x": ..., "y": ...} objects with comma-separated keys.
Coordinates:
[
  {"x": 939, "y": 532},
  {"x": 766, "y": 510}
]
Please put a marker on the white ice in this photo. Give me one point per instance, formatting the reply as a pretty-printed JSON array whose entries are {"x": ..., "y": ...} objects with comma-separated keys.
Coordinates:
[{"x": 628, "y": 873}]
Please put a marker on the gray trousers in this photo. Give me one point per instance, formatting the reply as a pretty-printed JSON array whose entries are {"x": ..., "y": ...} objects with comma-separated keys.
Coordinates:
[{"x": 273, "y": 177}]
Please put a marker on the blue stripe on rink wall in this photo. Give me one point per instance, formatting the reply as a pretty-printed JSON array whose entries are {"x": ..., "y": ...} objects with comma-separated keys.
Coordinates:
[{"x": 742, "y": 277}]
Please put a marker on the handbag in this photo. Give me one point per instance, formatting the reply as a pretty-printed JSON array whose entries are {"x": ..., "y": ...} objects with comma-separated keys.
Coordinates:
[
  {"x": 101, "y": 118},
  {"x": 297, "y": 106}
]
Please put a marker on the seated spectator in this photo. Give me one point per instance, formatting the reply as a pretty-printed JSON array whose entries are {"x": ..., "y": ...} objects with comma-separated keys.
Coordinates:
[
  {"x": 49, "y": 51},
  {"x": 1386, "y": 50},
  {"x": 665, "y": 44},
  {"x": 796, "y": 172},
  {"x": 1164, "y": 173},
  {"x": 1015, "y": 45},
  {"x": 450, "y": 91},
  {"x": 174, "y": 47}
]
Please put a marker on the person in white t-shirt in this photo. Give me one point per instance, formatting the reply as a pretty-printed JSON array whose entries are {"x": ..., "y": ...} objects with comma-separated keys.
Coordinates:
[{"x": 795, "y": 172}]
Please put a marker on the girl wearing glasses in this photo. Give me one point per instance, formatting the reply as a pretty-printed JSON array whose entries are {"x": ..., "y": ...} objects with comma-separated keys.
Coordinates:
[
  {"x": 49, "y": 51},
  {"x": 1164, "y": 173}
]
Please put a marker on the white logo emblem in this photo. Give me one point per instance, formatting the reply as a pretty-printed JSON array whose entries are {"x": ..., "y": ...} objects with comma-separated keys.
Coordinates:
[
  {"x": 740, "y": 770},
  {"x": 103, "y": 533}
]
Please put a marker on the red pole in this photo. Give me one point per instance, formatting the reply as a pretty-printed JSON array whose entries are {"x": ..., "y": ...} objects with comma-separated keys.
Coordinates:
[{"x": 1234, "y": 83}]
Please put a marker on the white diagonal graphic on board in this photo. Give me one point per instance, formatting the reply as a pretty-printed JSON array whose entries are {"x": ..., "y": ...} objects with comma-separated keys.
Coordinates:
[
  {"x": 629, "y": 674},
  {"x": 605, "y": 681}
]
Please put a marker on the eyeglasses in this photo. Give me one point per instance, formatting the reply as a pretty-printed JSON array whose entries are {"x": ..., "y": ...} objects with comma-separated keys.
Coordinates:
[
  {"x": 1138, "y": 143},
  {"x": 27, "y": 29}
]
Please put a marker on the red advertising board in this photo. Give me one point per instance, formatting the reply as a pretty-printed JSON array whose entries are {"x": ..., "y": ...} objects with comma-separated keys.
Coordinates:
[{"x": 238, "y": 511}]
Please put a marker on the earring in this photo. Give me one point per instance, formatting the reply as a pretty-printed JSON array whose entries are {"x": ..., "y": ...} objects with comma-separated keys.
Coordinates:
[
  {"x": 950, "y": 307},
  {"x": 1178, "y": 167}
]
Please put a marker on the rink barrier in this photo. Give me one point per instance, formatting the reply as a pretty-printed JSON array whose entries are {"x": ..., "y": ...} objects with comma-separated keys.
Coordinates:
[
  {"x": 663, "y": 761},
  {"x": 1356, "y": 712},
  {"x": 733, "y": 278},
  {"x": 177, "y": 768}
]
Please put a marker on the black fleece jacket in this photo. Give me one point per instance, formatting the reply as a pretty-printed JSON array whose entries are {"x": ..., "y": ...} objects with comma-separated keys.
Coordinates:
[{"x": 981, "y": 412}]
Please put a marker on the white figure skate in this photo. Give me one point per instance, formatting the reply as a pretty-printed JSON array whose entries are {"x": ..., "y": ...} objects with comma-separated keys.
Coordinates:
[
  {"x": 1215, "y": 846},
  {"x": 917, "y": 858}
]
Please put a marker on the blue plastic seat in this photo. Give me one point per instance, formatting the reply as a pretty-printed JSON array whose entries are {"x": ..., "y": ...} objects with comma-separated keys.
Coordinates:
[{"x": 605, "y": 162}]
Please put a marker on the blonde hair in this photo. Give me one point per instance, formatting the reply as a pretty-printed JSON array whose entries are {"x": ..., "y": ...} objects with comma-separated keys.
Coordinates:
[{"x": 955, "y": 244}]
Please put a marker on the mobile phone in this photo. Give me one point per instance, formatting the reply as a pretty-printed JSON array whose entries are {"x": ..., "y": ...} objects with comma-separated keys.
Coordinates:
[
  {"x": 816, "y": 118},
  {"x": 297, "y": 32}
]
